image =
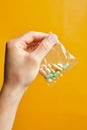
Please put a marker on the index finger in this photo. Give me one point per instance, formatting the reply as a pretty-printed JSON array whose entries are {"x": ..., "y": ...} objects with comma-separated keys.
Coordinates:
[{"x": 32, "y": 36}]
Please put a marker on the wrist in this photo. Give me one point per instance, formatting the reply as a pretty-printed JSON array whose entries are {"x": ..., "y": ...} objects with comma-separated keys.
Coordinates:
[
  {"x": 14, "y": 93},
  {"x": 14, "y": 87}
]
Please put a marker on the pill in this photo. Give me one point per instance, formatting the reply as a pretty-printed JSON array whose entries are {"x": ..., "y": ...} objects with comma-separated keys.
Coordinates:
[
  {"x": 43, "y": 72},
  {"x": 50, "y": 80},
  {"x": 52, "y": 70},
  {"x": 49, "y": 75},
  {"x": 48, "y": 71},
  {"x": 57, "y": 67},
  {"x": 56, "y": 73},
  {"x": 65, "y": 66},
  {"x": 53, "y": 77},
  {"x": 43, "y": 66},
  {"x": 60, "y": 65}
]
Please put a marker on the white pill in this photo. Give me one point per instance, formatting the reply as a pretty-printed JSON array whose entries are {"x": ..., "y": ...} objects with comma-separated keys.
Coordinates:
[
  {"x": 50, "y": 80},
  {"x": 52, "y": 70},
  {"x": 60, "y": 65},
  {"x": 57, "y": 67},
  {"x": 43, "y": 66},
  {"x": 48, "y": 71},
  {"x": 43, "y": 72}
]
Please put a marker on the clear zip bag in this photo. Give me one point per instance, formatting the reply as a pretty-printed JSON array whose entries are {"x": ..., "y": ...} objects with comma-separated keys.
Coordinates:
[{"x": 56, "y": 63}]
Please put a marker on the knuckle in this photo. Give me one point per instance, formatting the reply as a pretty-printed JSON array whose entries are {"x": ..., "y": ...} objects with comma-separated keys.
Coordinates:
[
  {"x": 9, "y": 44},
  {"x": 31, "y": 31}
]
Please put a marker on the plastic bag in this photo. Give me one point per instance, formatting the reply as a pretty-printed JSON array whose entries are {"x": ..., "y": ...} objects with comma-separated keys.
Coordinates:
[{"x": 56, "y": 63}]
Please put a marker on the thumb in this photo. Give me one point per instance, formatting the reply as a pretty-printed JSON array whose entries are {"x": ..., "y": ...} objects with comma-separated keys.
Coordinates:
[{"x": 45, "y": 46}]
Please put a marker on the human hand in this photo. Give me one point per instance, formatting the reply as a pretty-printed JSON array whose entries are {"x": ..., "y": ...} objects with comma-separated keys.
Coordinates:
[
  {"x": 22, "y": 62},
  {"x": 21, "y": 65}
]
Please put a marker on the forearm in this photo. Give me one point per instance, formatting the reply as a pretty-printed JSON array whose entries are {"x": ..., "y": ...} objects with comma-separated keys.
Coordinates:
[{"x": 9, "y": 101}]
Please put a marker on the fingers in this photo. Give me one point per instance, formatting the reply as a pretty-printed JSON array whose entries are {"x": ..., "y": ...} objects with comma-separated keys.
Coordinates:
[
  {"x": 45, "y": 46},
  {"x": 32, "y": 36}
]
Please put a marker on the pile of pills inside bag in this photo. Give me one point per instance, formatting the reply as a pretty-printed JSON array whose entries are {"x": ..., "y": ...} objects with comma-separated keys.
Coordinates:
[
  {"x": 51, "y": 72},
  {"x": 56, "y": 63}
]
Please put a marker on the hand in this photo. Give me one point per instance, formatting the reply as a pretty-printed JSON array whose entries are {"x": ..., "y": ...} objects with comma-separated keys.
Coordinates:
[
  {"x": 21, "y": 65},
  {"x": 22, "y": 62}
]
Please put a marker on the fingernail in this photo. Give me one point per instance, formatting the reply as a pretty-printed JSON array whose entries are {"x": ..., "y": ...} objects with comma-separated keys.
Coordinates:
[{"x": 53, "y": 38}]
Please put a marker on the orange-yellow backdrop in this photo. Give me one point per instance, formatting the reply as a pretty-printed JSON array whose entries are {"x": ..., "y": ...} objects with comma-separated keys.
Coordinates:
[{"x": 63, "y": 106}]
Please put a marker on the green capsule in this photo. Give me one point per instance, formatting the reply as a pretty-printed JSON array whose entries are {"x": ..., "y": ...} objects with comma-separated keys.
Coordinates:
[
  {"x": 49, "y": 75},
  {"x": 56, "y": 74},
  {"x": 65, "y": 66},
  {"x": 53, "y": 77}
]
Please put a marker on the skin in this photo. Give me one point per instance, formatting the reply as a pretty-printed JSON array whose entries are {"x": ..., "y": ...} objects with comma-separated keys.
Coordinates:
[{"x": 20, "y": 69}]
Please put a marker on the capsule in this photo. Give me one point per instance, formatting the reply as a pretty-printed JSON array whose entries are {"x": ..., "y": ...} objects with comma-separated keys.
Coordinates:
[
  {"x": 43, "y": 72},
  {"x": 44, "y": 66},
  {"x": 49, "y": 80},
  {"x": 53, "y": 77},
  {"x": 49, "y": 75},
  {"x": 57, "y": 67},
  {"x": 48, "y": 71},
  {"x": 65, "y": 66},
  {"x": 52, "y": 70},
  {"x": 60, "y": 65},
  {"x": 56, "y": 74}
]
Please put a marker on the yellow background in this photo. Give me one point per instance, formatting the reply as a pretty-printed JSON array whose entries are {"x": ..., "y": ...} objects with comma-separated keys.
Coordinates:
[{"x": 63, "y": 106}]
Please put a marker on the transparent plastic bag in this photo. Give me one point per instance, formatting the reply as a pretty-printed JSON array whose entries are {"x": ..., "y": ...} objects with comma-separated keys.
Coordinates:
[{"x": 56, "y": 63}]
